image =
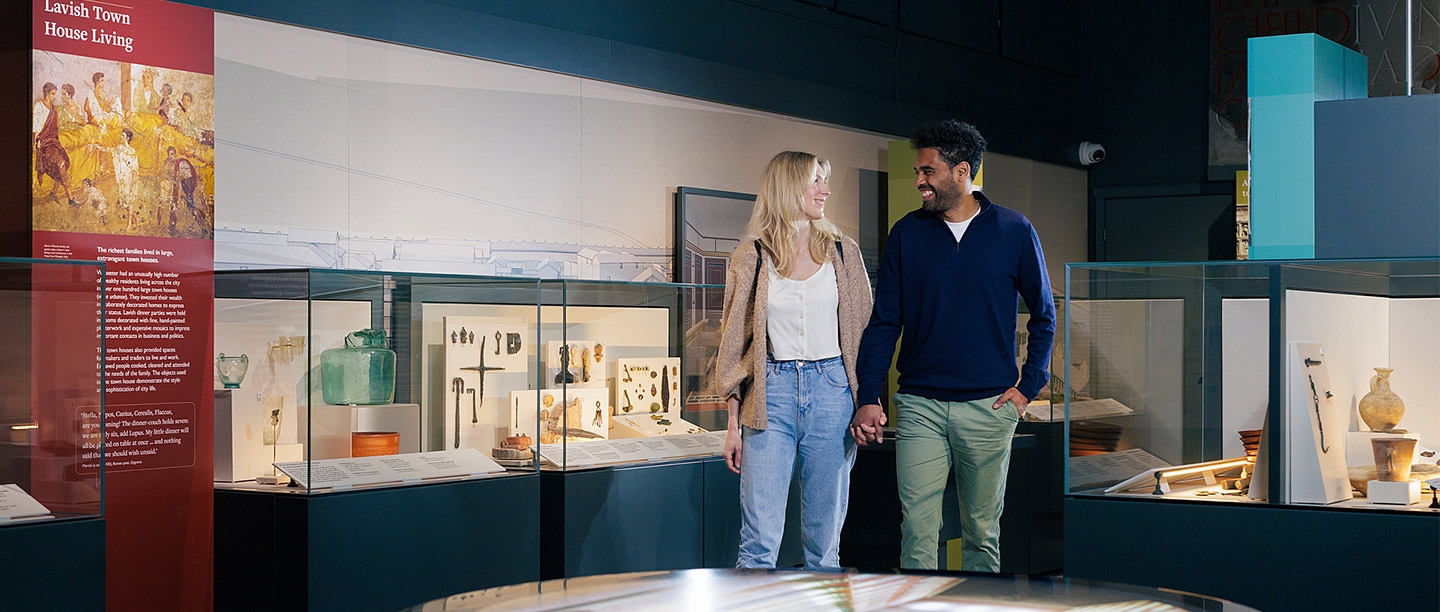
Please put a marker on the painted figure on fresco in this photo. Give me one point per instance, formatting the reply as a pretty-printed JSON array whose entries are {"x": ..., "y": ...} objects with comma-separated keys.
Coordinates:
[
  {"x": 50, "y": 158},
  {"x": 147, "y": 145},
  {"x": 90, "y": 196},
  {"x": 127, "y": 167},
  {"x": 179, "y": 179}
]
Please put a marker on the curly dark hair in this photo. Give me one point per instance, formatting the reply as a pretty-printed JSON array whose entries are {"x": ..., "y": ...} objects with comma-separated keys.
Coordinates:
[{"x": 956, "y": 141}]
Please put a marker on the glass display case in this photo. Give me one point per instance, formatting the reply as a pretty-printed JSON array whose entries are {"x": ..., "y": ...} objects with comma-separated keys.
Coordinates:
[
  {"x": 52, "y": 412},
  {"x": 334, "y": 379},
  {"x": 628, "y": 374},
  {"x": 1283, "y": 382},
  {"x": 327, "y": 380}
]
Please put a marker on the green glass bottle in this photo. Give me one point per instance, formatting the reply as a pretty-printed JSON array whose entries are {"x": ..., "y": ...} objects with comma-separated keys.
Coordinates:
[{"x": 361, "y": 373}]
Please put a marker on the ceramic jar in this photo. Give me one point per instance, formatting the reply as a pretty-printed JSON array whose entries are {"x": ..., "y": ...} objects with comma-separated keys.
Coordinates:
[
  {"x": 1381, "y": 409},
  {"x": 374, "y": 443}
]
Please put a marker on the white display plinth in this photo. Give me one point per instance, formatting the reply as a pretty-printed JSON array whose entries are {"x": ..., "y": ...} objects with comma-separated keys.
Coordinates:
[
  {"x": 240, "y": 450},
  {"x": 1393, "y": 493}
]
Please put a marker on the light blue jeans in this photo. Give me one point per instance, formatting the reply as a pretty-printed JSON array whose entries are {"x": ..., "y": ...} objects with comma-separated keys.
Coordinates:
[{"x": 808, "y": 408}]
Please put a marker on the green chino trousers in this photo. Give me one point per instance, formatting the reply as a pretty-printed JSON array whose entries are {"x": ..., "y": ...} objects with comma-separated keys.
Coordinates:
[{"x": 931, "y": 437}]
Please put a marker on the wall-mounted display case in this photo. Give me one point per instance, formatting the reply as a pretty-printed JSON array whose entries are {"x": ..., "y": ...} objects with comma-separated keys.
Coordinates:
[
  {"x": 1250, "y": 408},
  {"x": 1251, "y": 382},
  {"x": 53, "y": 425},
  {"x": 319, "y": 372},
  {"x": 627, "y": 376},
  {"x": 51, "y": 403}
]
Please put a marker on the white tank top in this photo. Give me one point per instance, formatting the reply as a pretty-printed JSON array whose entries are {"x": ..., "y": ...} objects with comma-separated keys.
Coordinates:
[{"x": 803, "y": 317}]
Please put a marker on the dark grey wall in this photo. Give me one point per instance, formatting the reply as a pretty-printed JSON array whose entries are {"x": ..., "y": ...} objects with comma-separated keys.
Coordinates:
[
  {"x": 1012, "y": 67},
  {"x": 1144, "y": 98}
]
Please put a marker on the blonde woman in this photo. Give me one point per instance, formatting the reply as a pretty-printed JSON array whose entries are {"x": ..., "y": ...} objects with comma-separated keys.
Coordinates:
[{"x": 797, "y": 299}]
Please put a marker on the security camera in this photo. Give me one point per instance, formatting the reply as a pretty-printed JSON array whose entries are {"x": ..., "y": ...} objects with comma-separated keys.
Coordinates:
[{"x": 1091, "y": 153}]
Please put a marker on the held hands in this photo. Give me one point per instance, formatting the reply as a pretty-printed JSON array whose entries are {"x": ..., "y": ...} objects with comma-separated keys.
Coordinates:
[
  {"x": 868, "y": 425},
  {"x": 1013, "y": 396}
]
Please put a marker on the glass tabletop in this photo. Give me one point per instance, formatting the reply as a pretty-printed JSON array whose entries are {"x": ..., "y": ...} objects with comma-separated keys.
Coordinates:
[{"x": 739, "y": 590}]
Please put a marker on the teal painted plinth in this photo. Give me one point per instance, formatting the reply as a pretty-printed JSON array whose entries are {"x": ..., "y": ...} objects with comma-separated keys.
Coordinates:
[{"x": 1286, "y": 76}]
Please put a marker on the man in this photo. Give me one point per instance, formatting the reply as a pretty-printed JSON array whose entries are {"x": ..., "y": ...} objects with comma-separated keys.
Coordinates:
[
  {"x": 50, "y": 157},
  {"x": 948, "y": 281}
]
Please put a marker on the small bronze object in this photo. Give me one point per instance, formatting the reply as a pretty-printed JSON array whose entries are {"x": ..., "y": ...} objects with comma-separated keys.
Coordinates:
[
  {"x": 454, "y": 337},
  {"x": 497, "y": 343},
  {"x": 512, "y": 343},
  {"x": 463, "y": 336}
]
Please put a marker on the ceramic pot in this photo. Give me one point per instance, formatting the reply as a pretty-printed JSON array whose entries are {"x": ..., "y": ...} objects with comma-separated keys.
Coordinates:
[
  {"x": 231, "y": 369},
  {"x": 1393, "y": 457},
  {"x": 374, "y": 443},
  {"x": 1381, "y": 409}
]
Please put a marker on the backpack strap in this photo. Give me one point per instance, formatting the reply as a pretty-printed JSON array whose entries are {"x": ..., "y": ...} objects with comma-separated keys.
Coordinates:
[
  {"x": 759, "y": 257},
  {"x": 839, "y": 248}
]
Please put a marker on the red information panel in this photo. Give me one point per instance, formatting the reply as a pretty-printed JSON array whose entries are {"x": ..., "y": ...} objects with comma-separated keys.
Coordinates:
[{"x": 123, "y": 171}]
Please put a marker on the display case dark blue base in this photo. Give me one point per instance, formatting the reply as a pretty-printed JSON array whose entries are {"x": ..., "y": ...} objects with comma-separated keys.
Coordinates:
[
  {"x": 53, "y": 565},
  {"x": 376, "y": 549},
  {"x": 1272, "y": 558},
  {"x": 662, "y": 516},
  {"x": 1031, "y": 539}
]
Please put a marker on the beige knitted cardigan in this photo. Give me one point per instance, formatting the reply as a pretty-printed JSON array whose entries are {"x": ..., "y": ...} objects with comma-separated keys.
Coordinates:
[{"x": 743, "y": 342}]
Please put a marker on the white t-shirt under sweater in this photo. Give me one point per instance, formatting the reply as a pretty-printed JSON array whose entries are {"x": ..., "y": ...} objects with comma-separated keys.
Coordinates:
[
  {"x": 959, "y": 228},
  {"x": 803, "y": 320}
]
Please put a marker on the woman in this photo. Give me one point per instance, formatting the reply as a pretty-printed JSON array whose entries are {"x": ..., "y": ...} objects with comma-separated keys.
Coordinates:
[{"x": 796, "y": 302}]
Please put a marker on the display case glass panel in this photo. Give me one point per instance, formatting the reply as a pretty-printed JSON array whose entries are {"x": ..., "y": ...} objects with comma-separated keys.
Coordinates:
[
  {"x": 52, "y": 413},
  {"x": 369, "y": 379},
  {"x": 628, "y": 374},
  {"x": 1254, "y": 382}
]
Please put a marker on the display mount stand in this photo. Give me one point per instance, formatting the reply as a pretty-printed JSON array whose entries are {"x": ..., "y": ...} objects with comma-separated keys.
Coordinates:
[
  {"x": 1317, "y": 456},
  {"x": 1162, "y": 477}
]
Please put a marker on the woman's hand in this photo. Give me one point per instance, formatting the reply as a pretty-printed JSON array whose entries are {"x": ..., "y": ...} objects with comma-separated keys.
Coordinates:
[{"x": 732, "y": 449}]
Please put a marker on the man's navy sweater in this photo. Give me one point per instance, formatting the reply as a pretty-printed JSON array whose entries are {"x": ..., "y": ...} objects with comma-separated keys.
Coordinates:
[{"x": 955, "y": 303}]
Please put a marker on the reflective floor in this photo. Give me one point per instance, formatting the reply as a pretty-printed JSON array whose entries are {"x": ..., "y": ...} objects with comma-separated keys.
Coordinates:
[{"x": 757, "y": 590}]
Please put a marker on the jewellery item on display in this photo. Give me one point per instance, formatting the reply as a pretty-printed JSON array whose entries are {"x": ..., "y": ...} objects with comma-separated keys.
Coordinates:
[
  {"x": 663, "y": 421},
  {"x": 653, "y": 374},
  {"x": 472, "y": 337},
  {"x": 482, "y": 369},
  {"x": 564, "y": 377},
  {"x": 598, "y": 420},
  {"x": 362, "y": 373},
  {"x": 458, "y": 384},
  {"x": 674, "y": 370},
  {"x": 665, "y": 387},
  {"x": 1315, "y": 398},
  {"x": 653, "y": 390},
  {"x": 627, "y": 375},
  {"x": 231, "y": 370},
  {"x": 599, "y": 352},
  {"x": 454, "y": 337},
  {"x": 548, "y": 400},
  {"x": 656, "y": 417},
  {"x": 462, "y": 335},
  {"x": 497, "y": 343},
  {"x": 628, "y": 406},
  {"x": 512, "y": 343},
  {"x": 656, "y": 407},
  {"x": 474, "y": 417},
  {"x": 585, "y": 365}
]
